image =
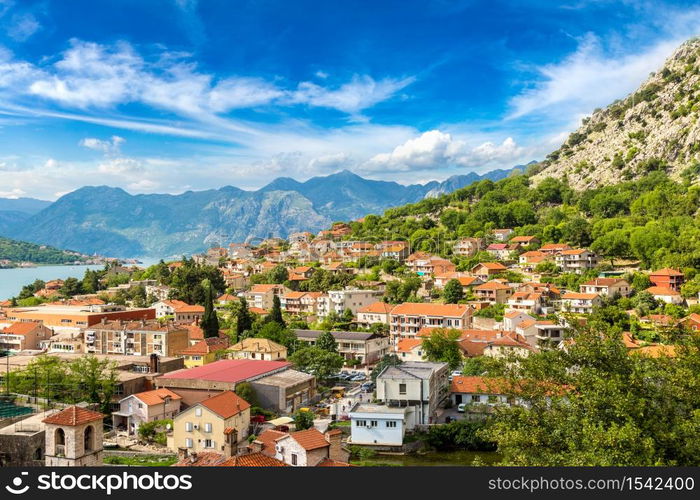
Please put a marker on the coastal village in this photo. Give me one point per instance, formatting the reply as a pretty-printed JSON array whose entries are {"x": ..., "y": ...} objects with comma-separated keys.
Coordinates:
[{"x": 344, "y": 360}]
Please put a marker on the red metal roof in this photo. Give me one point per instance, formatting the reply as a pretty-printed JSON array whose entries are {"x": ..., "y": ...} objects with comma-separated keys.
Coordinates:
[{"x": 229, "y": 370}]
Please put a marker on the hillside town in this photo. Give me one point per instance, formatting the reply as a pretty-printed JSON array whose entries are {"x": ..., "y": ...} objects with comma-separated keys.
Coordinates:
[{"x": 317, "y": 350}]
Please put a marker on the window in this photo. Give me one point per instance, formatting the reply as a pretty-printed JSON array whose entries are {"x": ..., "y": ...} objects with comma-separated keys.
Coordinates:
[
  {"x": 361, "y": 423},
  {"x": 391, "y": 424},
  {"x": 197, "y": 412},
  {"x": 294, "y": 459},
  {"x": 373, "y": 423},
  {"x": 475, "y": 398},
  {"x": 402, "y": 388},
  {"x": 188, "y": 426},
  {"x": 208, "y": 443},
  {"x": 207, "y": 427},
  {"x": 188, "y": 443}
]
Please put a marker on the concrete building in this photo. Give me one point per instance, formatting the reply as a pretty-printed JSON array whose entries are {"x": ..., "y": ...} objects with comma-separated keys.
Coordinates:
[
  {"x": 256, "y": 348},
  {"x": 378, "y": 424},
  {"x": 367, "y": 348},
  {"x": 408, "y": 318},
  {"x": 216, "y": 424},
  {"x": 136, "y": 338},
  {"x": 374, "y": 313},
  {"x": 145, "y": 407},
  {"x": 421, "y": 385},
  {"x": 276, "y": 385},
  {"x": 67, "y": 316},
  {"x": 338, "y": 301},
  {"x": 21, "y": 336}
]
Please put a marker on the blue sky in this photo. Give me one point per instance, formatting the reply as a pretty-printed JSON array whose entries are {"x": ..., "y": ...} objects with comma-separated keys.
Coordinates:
[{"x": 171, "y": 95}]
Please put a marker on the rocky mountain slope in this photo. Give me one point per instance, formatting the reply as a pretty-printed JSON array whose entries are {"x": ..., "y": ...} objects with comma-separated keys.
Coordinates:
[
  {"x": 654, "y": 128},
  {"x": 112, "y": 222}
]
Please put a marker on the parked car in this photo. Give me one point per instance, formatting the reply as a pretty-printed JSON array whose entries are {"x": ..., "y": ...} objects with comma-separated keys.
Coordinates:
[
  {"x": 461, "y": 407},
  {"x": 359, "y": 377},
  {"x": 367, "y": 386},
  {"x": 456, "y": 373}
]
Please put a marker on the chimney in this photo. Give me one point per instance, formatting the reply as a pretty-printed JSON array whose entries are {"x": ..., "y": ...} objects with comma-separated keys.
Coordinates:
[
  {"x": 336, "y": 451},
  {"x": 256, "y": 446},
  {"x": 154, "y": 363},
  {"x": 193, "y": 457},
  {"x": 182, "y": 453}
]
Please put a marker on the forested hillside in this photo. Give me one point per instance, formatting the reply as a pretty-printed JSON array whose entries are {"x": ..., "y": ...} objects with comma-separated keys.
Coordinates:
[{"x": 652, "y": 219}]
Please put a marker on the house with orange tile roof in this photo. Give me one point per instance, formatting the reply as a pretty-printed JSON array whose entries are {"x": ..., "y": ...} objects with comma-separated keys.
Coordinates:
[
  {"x": 212, "y": 459},
  {"x": 529, "y": 302},
  {"x": 493, "y": 292},
  {"x": 554, "y": 248},
  {"x": 512, "y": 318},
  {"x": 179, "y": 310},
  {"x": 467, "y": 247},
  {"x": 216, "y": 424},
  {"x": 310, "y": 448},
  {"x": 291, "y": 302},
  {"x": 692, "y": 322},
  {"x": 376, "y": 312},
  {"x": 410, "y": 349},
  {"x": 582, "y": 303},
  {"x": 21, "y": 336},
  {"x": 205, "y": 351},
  {"x": 262, "y": 296},
  {"x": 148, "y": 406},
  {"x": 529, "y": 260},
  {"x": 523, "y": 241},
  {"x": 665, "y": 294},
  {"x": 257, "y": 348},
  {"x": 426, "y": 264},
  {"x": 668, "y": 278},
  {"x": 576, "y": 261},
  {"x": 607, "y": 287},
  {"x": 405, "y": 320},
  {"x": 478, "y": 391},
  {"x": 486, "y": 270}
]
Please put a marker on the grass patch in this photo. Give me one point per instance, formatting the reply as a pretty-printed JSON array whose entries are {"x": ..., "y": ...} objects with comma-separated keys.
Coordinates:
[{"x": 141, "y": 461}]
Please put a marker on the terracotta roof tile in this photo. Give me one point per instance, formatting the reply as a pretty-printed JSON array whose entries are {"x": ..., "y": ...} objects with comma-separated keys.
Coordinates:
[
  {"x": 310, "y": 439},
  {"x": 227, "y": 404},
  {"x": 73, "y": 416},
  {"x": 156, "y": 396}
]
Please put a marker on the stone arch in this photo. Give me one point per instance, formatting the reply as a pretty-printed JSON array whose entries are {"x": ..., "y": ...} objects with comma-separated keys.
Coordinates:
[
  {"x": 59, "y": 437},
  {"x": 89, "y": 438}
]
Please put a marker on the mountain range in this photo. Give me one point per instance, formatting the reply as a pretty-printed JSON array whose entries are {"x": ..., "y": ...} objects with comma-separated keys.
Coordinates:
[{"x": 109, "y": 221}]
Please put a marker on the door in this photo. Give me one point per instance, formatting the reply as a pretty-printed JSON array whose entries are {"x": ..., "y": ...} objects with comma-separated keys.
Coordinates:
[{"x": 458, "y": 399}]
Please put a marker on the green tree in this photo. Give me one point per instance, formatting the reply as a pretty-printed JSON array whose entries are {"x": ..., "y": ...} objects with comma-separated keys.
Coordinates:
[
  {"x": 441, "y": 346},
  {"x": 97, "y": 380},
  {"x": 453, "y": 292},
  {"x": 595, "y": 404},
  {"x": 327, "y": 342},
  {"x": 71, "y": 287},
  {"x": 245, "y": 390},
  {"x": 276, "y": 311},
  {"x": 303, "y": 419},
  {"x": 210, "y": 320},
  {"x": 244, "y": 320},
  {"x": 317, "y": 361}
]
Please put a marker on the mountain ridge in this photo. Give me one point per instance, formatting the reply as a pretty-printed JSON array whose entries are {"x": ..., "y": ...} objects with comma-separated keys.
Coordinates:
[{"x": 110, "y": 221}]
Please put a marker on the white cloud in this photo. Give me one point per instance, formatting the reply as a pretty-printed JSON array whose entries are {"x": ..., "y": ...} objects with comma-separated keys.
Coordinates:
[
  {"x": 588, "y": 78},
  {"x": 438, "y": 150},
  {"x": 13, "y": 194},
  {"x": 360, "y": 93},
  {"x": 111, "y": 146},
  {"x": 23, "y": 26},
  {"x": 94, "y": 75}
]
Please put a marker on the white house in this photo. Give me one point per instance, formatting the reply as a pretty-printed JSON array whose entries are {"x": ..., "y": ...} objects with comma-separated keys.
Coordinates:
[
  {"x": 607, "y": 287},
  {"x": 377, "y": 424},
  {"x": 512, "y": 319},
  {"x": 583, "y": 303},
  {"x": 350, "y": 298}
]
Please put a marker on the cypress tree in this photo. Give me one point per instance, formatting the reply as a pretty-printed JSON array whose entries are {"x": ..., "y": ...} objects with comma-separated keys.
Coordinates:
[{"x": 210, "y": 321}]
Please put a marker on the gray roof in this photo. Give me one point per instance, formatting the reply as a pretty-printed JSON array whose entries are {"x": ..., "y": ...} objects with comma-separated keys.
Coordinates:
[
  {"x": 377, "y": 408},
  {"x": 411, "y": 369},
  {"x": 313, "y": 334}
]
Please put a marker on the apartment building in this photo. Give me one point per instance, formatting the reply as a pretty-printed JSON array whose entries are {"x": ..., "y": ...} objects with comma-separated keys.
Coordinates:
[
  {"x": 262, "y": 296},
  {"x": 21, "y": 336},
  {"x": 667, "y": 278},
  {"x": 76, "y": 316},
  {"x": 493, "y": 292},
  {"x": 136, "y": 338},
  {"x": 365, "y": 347},
  {"x": 405, "y": 320},
  {"x": 338, "y": 301},
  {"x": 576, "y": 261},
  {"x": 421, "y": 385}
]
